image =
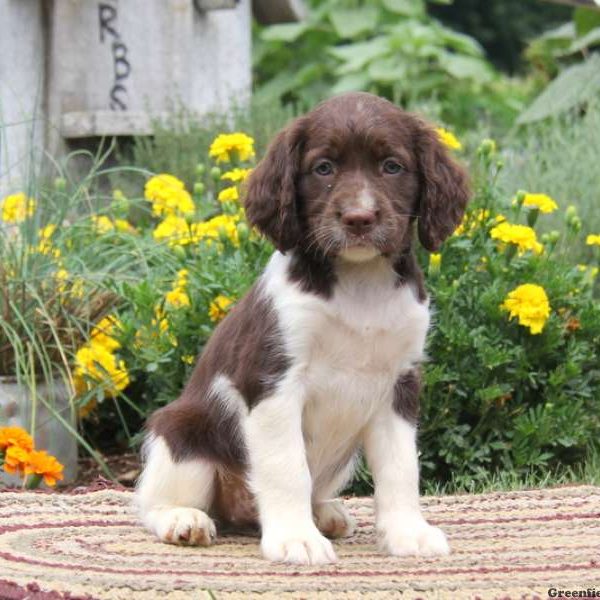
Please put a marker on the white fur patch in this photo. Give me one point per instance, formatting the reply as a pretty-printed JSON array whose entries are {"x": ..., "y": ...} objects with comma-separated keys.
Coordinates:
[
  {"x": 347, "y": 351},
  {"x": 172, "y": 497}
]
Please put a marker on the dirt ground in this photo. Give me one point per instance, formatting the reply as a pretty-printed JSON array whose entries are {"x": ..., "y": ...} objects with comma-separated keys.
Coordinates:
[{"x": 125, "y": 468}]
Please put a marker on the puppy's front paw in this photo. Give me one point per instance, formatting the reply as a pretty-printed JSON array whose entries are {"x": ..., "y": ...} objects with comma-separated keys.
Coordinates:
[
  {"x": 299, "y": 547},
  {"x": 333, "y": 520},
  {"x": 414, "y": 537},
  {"x": 179, "y": 525}
]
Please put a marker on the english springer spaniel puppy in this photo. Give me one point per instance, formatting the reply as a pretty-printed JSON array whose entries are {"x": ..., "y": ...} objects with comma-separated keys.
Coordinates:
[{"x": 321, "y": 358}]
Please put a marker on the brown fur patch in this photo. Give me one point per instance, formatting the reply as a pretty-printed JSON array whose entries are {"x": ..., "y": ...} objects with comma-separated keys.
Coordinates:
[
  {"x": 247, "y": 348},
  {"x": 406, "y": 396}
]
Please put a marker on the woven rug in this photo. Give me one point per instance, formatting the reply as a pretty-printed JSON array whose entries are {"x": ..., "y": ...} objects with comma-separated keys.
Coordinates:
[{"x": 505, "y": 546}]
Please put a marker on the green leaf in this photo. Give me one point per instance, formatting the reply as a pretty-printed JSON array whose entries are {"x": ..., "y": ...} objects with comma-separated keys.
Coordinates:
[
  {"x": 585, "y": 20},
  {"x": 359, "y": 54},
  {"x": 592, "y": 38},
  {"x": 573, "y": 86},
  {"x": 466, "y": 67},
  {"x": 349, "y": 23},
  {"x": 387, "y": 70},
  {"x": 353, "y": 82},
  {"x": 285, "y": 32},
  {"x": 409, "y": 8}
]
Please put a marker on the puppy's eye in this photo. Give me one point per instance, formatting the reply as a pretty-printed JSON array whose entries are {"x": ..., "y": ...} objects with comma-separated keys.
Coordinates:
[
  {"x": 391, "y": 167},
  {"x": 325, "y": 167}
]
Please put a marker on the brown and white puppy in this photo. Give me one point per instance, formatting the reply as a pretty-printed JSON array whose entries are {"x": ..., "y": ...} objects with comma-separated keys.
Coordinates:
[{"x": 320, "y": 358}]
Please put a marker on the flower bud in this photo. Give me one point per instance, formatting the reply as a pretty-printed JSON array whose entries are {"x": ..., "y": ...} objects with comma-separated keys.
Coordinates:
[
  {"x": 570, "y": 212},
  {"x": 60, "y": 184},
  {"x": 554, "y": 236},
  {"x": 200, "y": 169},
  {"x": 520, "y": 197},
  {"x": 243, "y": 232},
  {"x": 179, "y": 251},
  {"x": 199, "y": 188},
  {"x": 215, "y": 173},
  {"x": 487, "y": 147}
]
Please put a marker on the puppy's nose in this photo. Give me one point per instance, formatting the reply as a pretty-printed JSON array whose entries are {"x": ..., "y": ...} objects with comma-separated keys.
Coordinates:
[{"x": 359, "y": 220}]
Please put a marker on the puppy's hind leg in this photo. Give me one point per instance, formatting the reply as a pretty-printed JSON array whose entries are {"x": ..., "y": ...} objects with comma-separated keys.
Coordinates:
[{"x": 172, "y": 497}]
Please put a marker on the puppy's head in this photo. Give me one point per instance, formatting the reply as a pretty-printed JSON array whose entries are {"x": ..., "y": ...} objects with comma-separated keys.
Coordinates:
[{"x": 350, "y": 177}]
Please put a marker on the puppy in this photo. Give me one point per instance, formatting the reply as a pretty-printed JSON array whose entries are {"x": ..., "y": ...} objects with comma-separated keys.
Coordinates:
[{"x": 320, "y": 358}]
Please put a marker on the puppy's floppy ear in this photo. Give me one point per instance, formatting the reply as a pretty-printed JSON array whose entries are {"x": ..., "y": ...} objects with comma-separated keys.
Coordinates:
[
  {"x": 270, "y": 198},
  {"x": 444, "y": 190}
]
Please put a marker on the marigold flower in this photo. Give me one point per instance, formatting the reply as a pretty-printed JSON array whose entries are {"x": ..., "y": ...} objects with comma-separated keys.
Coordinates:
[
  {"x": 521, "y": 235},
  {"x": 15, "y": 459},
  {"x": 103, "y": 333},
  {"x": 174, "y": 230},
  {"x": 43, "y": 464},
  {"x": 102, "y": 224},
  {"x": 530, "y": 305},
  {"x": 225, "y": 144},
  {"x": 236, "y": 174},
  {"x": 95, "y": 362},
  {"x": 219, "y": 307},
  {"x": 542, "y": 202},
  {"x": 435, "y": 261},
  {"x": 168, "y": 196},
  {"x": 177, "y": 298},
  {"x": 45, "y": 244},
  {"x": 229, "y": 194},
  {"x": 124, "y": 226},
  {"x": 448, "y": 139},
  {"x": 17, "y": 207},
  {"x": 15, "y": 436},
  {"x": 593, "y": 240}
]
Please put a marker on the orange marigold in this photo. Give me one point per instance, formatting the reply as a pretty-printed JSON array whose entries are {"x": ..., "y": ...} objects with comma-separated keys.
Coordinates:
[
  {"x": 15, "y": 459},
  {"x": 15, "y": 436},
  {"x": 43, "y": 464}
]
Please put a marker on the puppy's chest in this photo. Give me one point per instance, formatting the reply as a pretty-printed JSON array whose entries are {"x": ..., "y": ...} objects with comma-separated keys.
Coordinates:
[{"x": 355, "y": 349}]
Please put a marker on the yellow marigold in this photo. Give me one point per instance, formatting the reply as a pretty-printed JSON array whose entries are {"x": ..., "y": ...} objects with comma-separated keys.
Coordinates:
[
  {"x": 15, "y": 436},
  {"x": 168, "y": 196},
  {"x": 182, "y": 278},
  {"x": 448, "y": 139},
  {"x": 104, "y": 331},
  {"x": 102, "y": 224},
  {"x": 435, "y": 261},
  {"x": 593, "y": 240},
  {"x": 221, "y": 224},
  {"x": 15, "y": 459},
  {"x": 177, "y": 298},
  {"x": 542, "y": 202},
  {"x": 219, "y": 307},
  {"x": 174, "y": 230},
  {"x": 45, "y": 244},
  {"x": 188, "y": 359},
  {"x": 17, "y": 207},
  {"x": 43, "y": 464},
  {"x": 236, "y": 175},
  {"x": 522, "y": 236},
  {"x": 229, "y": 194},
  {"x": 95, "y": 362},
  {"x": 530, "y": 305},
  {"x": 225, "y": 144},
  {"x": 124, "y": 226},
  {"x": 471, "y": 221}
]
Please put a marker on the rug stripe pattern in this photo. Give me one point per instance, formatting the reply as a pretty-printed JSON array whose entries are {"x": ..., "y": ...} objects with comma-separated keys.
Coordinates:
[{"x": 506, "y": 546}]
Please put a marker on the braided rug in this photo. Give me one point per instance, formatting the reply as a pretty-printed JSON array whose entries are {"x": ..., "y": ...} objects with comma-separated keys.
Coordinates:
[{"x": 509, "y": 545}]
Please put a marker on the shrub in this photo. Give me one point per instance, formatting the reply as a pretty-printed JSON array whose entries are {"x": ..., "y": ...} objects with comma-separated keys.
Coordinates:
[
  {"x": 513, "y": 380},
  {"x": 393, "y": 48}
]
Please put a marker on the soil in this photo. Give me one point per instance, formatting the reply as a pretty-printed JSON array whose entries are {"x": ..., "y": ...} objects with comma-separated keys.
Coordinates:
[{"x": 124, "y": 467}]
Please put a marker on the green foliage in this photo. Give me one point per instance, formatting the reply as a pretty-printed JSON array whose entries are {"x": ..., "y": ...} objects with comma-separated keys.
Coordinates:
[
  {"x": 559, "y": 155},
  {"x": 568, "y": 53},
  {"x": 389, "y": 47},
  {"x": 496, "y": 397}
]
